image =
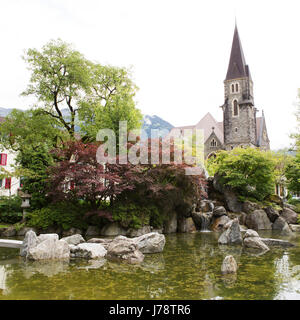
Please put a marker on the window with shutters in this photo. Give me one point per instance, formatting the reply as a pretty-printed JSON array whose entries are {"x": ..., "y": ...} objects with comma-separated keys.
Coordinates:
[
  {"x": 3, "y": 159},
  {"x": 7, "y": 183}
]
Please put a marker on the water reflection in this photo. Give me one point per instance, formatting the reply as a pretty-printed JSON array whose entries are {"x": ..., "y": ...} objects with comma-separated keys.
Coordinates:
[{"x": 189, "y": 268}]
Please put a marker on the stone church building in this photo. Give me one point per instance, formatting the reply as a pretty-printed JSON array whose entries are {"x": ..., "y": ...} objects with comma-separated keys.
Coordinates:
[{"x": 240, "y": 126}]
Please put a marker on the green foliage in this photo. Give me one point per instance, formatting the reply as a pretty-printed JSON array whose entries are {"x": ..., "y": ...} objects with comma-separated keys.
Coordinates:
[
  {"x": 63, "y": 214},
  {"x": 292, "y": 173},
  {"x": 134, "y": 216},
  {"x": 10, "y": 209},
  {"x": 249, "y": 172},
  {"x": 111, "y": 101},
  {"x": 18, "y": 226}
]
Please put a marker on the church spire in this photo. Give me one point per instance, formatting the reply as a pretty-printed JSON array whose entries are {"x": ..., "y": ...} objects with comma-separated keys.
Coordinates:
[{"x": 237, "y": 67}]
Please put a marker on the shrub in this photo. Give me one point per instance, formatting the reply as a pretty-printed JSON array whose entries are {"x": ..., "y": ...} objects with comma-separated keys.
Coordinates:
[
  {"x": 249, "y": 172},
  {"x": 10, "y": 209},
  {"x": 62, "y": 214}
]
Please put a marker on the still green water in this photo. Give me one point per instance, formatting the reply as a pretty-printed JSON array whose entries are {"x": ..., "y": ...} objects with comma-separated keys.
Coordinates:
[{"x": 189, "y": 268}]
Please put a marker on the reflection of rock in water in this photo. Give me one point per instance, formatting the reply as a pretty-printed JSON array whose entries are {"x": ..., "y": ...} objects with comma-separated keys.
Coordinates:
[
  {"x": 153, "y": 263},
  {"x": 47, "y": 268},
  {"x": 254, "y": 252},
  {"x": 94, "y": 264},
  {"x": 229, "y": 279},
  {"x": 3, "y": 276},
  {"x": 234, "y": 251}
]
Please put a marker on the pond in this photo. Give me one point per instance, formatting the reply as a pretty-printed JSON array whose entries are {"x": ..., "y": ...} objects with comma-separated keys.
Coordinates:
[{"x": 189, "y": 268}]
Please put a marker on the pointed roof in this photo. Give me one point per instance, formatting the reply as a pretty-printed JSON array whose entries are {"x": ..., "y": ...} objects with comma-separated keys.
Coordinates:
[{"x": 237, "y": 67}]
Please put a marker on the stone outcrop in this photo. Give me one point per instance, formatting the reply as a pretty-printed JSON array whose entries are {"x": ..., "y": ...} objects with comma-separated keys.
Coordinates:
[
  {"x": 232, "y": 235},
  {"x": 171, "y": 224},
  {"x": 206, "y": 206},
  {"x": 229, "y": 265},
  {"x": 88, "y": 251},
  {"x": 112, "y": 229},
  {"x": 138, "y": 232},
  {"x": 272, "y": 213},
  {"x": 49, "y": 249},
  {"x": 219, "y": 223},
  {"x": 9, "y": 232},
  {"x": 124, "y": 249},
  {"x": 71, "y": 232},
  {"x": 258, "y": 220},
  {"x": 249, "y": 207},
  {"x": 219, "y": 212},
  {"x": 289, "y": 215},
  {"x": 30, "y": 241},
  {"x": 150, "y": 243},
  {"x": 186, "y": 225},
  {"x": 92, "y": 231},
  {"x": 74, "y": 239},
  {"x": 104, "y": 242},
  {"x": 232, "y": 202}
]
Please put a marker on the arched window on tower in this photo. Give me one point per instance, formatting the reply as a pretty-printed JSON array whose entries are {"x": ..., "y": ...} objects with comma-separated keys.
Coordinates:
[
  {"x": 236, "y": 87},
  {"x": 232, "y": 88},
  {"x": 235, "y": 108},
  {"x": 213, "y": 143}
]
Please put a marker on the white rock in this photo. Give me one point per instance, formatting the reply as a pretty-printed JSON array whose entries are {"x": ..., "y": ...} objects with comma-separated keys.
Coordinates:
[
  {"x": 255, "y": 243},
  {"x": 74, "y": 239},
  {"x": 229, "y": 265},
  {"x": 30, "y": 241},
  {"x": 250, "y": 233},
  {"x": 48, "y": 249},
  {"x": 153, "y": 242},
  {"x": 96, "y": 249},
  {"x": 46, "y": 236}
]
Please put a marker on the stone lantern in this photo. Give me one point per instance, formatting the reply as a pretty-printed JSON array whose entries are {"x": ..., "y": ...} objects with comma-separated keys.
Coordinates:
[{"x": 25, "y": 202}]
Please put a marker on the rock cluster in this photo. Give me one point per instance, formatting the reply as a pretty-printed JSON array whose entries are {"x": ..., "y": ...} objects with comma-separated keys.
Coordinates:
[{"x": 131, "y": 250}]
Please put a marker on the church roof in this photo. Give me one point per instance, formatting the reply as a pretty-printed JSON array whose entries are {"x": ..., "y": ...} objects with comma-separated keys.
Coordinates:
[
  {"x": 206, "y": 124},
  {"x": 237, "y": 67}
]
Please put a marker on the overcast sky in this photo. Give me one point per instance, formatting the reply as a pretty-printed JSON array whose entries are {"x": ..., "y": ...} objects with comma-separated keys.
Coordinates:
[{"x": 178, "y": 50}]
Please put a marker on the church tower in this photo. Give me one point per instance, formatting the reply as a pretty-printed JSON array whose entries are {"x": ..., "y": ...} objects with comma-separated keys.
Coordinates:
[{"x": 239, "y": 113}]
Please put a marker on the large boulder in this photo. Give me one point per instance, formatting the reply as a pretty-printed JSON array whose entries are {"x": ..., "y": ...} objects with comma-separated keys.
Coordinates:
[
  {"x": 138, "y": 232},
  {"x": 272, "y": 213},
  {"x": 281, "y": 225},
  {"x": 186, "y": 225},
  {"x": 202, "y": 220},
  {"x": 276, "y": 199},
  {"x": 150, "y": 243},
  {"x": 258, "y": 220},
  {"x": 232, "y": 235},
  {"x": 219, "y": 223},
  {"x": 219, "y": 211},
  {"x": 88, "y": 251},
  {"x": 255, "y": 243},
  {"x": 74, "y": 239},
  {"x": 9, "y": 232},
  {"x": 229, "y": 265},
  {"x": 92, "y": 231},
  {"x": 242, "y": 217},
  {"x": 170, "y": 225},
  {"x": 103, "y": 242},
  {"x": 71, "y": 232},
  {"x": 249, "y": 207},
  {"x": 124, "y": 249},
  {"x": 49, "y": 249},
  {"x": 289, "y": 215},
  {"x": 112, "y": 229},
  {"x": 232, "y": 202},
  {"x": 30, "y": 241},
  {"x": 46, "y": 236}
]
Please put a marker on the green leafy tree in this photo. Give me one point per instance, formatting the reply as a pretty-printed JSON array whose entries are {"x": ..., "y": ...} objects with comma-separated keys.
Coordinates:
[
  {"x": 60, "y": 76},
  {"x": 111, "y": 100},
  {"x": 249, "y": 171}
]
